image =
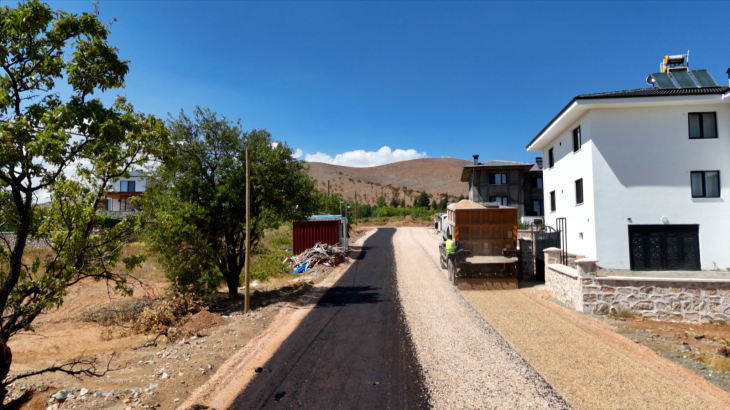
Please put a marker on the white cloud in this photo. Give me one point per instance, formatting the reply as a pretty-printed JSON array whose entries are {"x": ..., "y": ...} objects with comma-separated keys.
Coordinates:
[
  {"x": 297, "y": 154},
  {"x": 362, "y": 158}
]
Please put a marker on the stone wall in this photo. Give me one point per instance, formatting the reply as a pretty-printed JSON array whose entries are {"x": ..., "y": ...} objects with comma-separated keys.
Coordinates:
[
  {"x": 8, "y": 238},
  {"x": 671, "y": 299}
]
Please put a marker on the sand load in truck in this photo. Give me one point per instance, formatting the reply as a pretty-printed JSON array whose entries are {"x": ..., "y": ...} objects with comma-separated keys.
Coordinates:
[{"x": 486, "y": 242}]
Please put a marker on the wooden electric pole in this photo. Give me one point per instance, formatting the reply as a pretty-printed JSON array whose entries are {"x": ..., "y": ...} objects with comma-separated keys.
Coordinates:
[{"x": 247, "y": 269}]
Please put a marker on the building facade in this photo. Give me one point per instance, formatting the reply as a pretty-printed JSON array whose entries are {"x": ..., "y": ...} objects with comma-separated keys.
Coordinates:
[
  {"x": 641, "y": 177},
  {"x": 507, "y": 183},
  {"x": 118, "y": 199}
]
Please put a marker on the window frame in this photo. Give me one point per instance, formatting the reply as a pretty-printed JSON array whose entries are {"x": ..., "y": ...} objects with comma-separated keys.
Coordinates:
[
  {"x": 579, "y": 198},
  {"x": 126, "y": 183},
  {"x": 492, "y": 199},
  {"x": 577, "y": 141},
  {"x": 535, "y": 184},
  {"x": 704, "y": 185},
  {"x": 702, "y": 125},
  {"x": 493, "y": 178},
  {"x": 553, "y": 206},
  {"x": 540, "y": 208},
  {"x": 551, "y": 158}
]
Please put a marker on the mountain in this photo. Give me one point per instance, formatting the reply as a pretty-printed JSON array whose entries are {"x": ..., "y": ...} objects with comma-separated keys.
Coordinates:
[{"x": 436, "y": 176}]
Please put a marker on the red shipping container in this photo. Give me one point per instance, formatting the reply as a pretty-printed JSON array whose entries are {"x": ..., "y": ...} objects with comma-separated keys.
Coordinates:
[{"x": 309, "y": 233}]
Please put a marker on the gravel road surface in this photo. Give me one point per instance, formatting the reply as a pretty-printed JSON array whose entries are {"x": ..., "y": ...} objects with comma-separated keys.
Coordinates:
[
  {"x": 351, "y": 351},
  {"x": 587, "y": 371},
  {"x": 466, "y": 363}
]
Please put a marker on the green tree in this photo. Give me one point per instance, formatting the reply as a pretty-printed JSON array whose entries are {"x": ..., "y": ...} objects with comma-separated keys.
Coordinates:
[
  {"x": 44, "y": 137},
  {"x": 444, "y": 201},
  {"x": 461, "y": 198},
  {"x": 197, "y": 220},
  {"x": 403, "y": 203},
  {"x": 422, "y": 200},
  {"x": 434, "y": 204},
  {"x": 381, "y": 202},
  {"x": 393, "y": 202}
]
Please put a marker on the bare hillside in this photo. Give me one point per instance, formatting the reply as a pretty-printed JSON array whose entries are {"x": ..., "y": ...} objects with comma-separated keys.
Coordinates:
[{"x": 436, "y": 176}]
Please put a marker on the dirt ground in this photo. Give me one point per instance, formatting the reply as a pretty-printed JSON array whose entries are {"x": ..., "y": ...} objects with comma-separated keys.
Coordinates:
[
  {"x": 146, "y": 374},
  {"x": 691, "y": 345}
]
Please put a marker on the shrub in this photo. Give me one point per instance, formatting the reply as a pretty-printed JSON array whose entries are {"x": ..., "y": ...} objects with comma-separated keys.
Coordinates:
[{"x": 621, "y": 314}]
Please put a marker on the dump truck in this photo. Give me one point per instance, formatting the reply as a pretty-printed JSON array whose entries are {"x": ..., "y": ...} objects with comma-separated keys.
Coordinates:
[{"x": 486, "y": 242}]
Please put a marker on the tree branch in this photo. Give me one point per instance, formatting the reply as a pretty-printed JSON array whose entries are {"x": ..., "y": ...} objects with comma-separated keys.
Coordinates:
[{"x": 75, "y": 367}]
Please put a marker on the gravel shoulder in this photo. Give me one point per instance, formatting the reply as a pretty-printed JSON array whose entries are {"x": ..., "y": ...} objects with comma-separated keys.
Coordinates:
[{"x": 466, "y": 363}]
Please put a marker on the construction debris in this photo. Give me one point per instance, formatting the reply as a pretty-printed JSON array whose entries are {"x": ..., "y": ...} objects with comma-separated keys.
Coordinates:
[{"x": 320, "y": 254}]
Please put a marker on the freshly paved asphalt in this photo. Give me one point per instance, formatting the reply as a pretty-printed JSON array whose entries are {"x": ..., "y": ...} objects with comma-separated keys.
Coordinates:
[{"x": 352, "y": 351}]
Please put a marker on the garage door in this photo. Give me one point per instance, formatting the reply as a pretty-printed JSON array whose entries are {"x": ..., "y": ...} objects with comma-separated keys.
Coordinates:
[{"x": 664, "y": 247}]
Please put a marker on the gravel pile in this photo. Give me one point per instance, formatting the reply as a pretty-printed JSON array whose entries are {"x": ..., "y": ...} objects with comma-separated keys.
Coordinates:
[{"x": 466, "y": 363}]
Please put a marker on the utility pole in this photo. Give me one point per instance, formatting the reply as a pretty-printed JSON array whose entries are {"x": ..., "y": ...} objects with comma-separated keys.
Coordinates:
[{"x": 247, "y": 301}]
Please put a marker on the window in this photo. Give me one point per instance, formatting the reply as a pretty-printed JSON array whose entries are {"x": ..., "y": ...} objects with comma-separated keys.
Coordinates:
[
  {"x": 576, "y": 139},
  {"x": 705, "y": 184},
  {"x": 552, "y": 201},
  {"x": 551, "y": 161},
  {"x": 537, "y": 207},
  {"x": 127, "y": 186},
  {"x": 537, "y": 183},
  {"x": 497, "y": 179},
  {"x": 579, "y": 191},
  {"x": 502, "y": 200},
  {"x": 109, "y": 204},
  {"x": 702, "y": 125}
]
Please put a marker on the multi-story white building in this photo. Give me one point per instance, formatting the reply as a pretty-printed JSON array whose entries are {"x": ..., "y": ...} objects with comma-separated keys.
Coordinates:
[
  {"x": 119, "y": 198},
  {"x": 642, "y": 177}
]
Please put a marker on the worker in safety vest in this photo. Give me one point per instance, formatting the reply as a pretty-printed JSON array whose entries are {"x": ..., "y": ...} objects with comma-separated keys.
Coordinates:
[{"x": 450, "y": 247}]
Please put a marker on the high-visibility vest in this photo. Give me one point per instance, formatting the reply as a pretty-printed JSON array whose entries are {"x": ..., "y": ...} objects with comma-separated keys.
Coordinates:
[{"x": 450, "y": 248}]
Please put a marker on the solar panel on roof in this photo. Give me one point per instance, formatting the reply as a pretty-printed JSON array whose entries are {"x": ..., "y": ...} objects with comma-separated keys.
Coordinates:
[
  {"x": 683, "y": 79},
  {"x": 704, "y": 78},
  {"x": 662, "y": 80}
]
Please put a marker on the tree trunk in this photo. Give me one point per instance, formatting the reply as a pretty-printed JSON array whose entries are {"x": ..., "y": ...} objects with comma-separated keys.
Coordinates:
[
  {"x": 6, "y": 357},
  {"x": 233, "y": 281}
]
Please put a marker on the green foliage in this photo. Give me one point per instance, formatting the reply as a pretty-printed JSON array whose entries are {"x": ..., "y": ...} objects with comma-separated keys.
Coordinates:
[
  {"x": 460, "y": 198},
  {"x": 196, "y": 202},
  {"x": 421, "y": 214},
  {"x": 422, "y": 200},
  {"x": 393, "y": 202},
  {"x": 388, "y": 211},
  {"x": 327, "y": 204},
  {"x": 268, "y": 255},
  {"x": 381, "y": 202},
  {"x": 53, "y": 62},
  {"x": 403, "y": 203}
]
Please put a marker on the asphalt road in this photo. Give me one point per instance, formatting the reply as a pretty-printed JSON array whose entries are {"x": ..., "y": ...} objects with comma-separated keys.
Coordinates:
[{"x": 352, "y": 351}]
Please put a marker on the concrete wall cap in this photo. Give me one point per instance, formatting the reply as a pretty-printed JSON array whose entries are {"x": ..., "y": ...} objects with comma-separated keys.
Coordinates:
[
  {"x": 586, "y": 260},
  {"x": 664, "y": 280},
  {"x": 565, "y": 270},
  {"x": 551, "y": 250}
]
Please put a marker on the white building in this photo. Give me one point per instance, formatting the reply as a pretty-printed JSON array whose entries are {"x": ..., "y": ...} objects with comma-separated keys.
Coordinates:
[
  {"x": 119, "y": 197},
  {"x": 642, "y": 177}
]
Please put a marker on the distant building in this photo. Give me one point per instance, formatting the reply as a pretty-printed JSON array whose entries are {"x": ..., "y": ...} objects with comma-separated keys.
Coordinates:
[
  {"x": 507, "y": 183},
  {"x": 118, "y": 199},
  {"x": 642, "y": 176}
]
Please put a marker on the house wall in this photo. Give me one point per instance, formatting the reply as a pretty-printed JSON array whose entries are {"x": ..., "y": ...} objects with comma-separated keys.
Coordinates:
[
  {"x": 570, "y": 166},
  {"x": 518, "y": 188},
  {"x": 140, "y": 184},
  {"x": 641, "y": 163}
]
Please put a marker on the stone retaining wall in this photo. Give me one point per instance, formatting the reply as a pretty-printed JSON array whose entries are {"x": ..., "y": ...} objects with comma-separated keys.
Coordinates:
[
  {"x": 10, "y": 238},
  {"x": 671, "y": 299}
]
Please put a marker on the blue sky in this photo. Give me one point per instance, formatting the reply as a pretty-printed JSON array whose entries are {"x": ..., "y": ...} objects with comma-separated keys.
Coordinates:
[{"x": 426, "y": 78}]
